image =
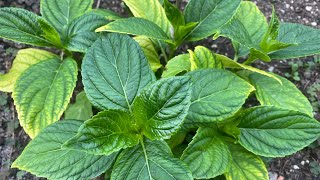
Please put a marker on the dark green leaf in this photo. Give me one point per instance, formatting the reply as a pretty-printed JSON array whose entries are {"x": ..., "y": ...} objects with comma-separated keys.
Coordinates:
[
  {"x": 216, "y": 95},
  {"x": 81, "y": 32},
  {"x": 22, "y": 26},
  {"x": 136, "y": 26},
  {"x": 106, "y": 133},
  {"x": 44, "y": 157},
  {"x": 150, "y": 160},
  {"x": 211, "y": 15},
  {"x": 207, "y": 155},
  {"x": 161, "y": 108},
  {"x": 275, "y": 132},
  {"x": 305, "y": 41},
  {"x": 114, "y": 71},
  {"x": 60, "y": 13}
]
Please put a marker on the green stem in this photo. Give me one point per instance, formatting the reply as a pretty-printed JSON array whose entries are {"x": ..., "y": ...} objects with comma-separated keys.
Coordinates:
[
  {"x": 61, "y": 55},
  {"x": 163, "y": 52},
  {"x": 146, "y": 157}
]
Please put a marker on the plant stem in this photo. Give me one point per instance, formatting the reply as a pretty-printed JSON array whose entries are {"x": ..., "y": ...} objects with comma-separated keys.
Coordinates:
[
  {"x": 178, "y": 3},
  {"x": 98, "y": 4},
  {"x": 61, "y": 55},
  {"x": 163, "y": 52},
  {"x": 145, "y": 156}
]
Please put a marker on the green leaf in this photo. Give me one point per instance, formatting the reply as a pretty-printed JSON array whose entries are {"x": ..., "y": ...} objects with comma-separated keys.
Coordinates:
[
  {"x": 151, "y": 10},
  {"x": 136, "y": 26},
  {"x": 285, "y": 95},
  {"x": 60, "y": 13},
  {"x": 114, "y": 71},
  {"x": 108, "y": 14},
  {"x": 150, "y": 161},
  {"x": 203, "y": 58},
  {"x": 174, "y": 15},
  {"x": 50, "y": 33},
  {"x": 161, "y": 108},
  {"x": 106, "y": 133},
  {"x": 81, "y": 109},
  {"x": 177, "y": 65},
  {"x": 229, "y": 63},
  {"x": 247, "y": 27},
  {"x": 42, "y": 92},
  {"x": 269, "y": 42},
  {"x": 81, "y": 32},
  {"x": 149, "y": 51},
  {"x": 22, "y": 26},
  {"x": 211, "y": 15},
  {"x": 44, "y": 157},
  {"x": 216, "y": 95},
  {"x": 24, "y": 59},
  {"x": 275, "y": 132},
  {"x": 245, "y": 165},
  {"x": 207, "y": 155},
  {"x": 304, "y": 38}
]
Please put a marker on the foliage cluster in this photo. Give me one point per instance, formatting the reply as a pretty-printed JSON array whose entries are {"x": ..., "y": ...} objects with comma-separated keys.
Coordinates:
[{"x": 150, "y": 101}]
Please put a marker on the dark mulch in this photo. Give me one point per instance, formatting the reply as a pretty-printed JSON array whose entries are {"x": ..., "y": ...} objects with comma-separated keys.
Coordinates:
[{"x": 301, "y": 165}]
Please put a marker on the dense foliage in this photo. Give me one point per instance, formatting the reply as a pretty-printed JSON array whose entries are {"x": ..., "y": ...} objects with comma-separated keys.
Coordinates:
[{"x": 162, "y": 115}]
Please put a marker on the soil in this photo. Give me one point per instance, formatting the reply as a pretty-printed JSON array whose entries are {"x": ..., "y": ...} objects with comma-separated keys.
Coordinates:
[{"x": 300, "y": 166}]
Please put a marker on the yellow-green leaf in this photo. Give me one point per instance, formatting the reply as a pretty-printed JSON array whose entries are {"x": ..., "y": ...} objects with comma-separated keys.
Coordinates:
[
  {"x": 149, "y": 51},
  {"x": 23, "y": 60},
  {"x": 151, "y": 10},
  {"x": 42, "y": 93}
]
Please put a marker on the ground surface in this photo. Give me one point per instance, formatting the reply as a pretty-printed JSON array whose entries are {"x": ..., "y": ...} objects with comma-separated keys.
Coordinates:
[{"x": 303, "y": 165}]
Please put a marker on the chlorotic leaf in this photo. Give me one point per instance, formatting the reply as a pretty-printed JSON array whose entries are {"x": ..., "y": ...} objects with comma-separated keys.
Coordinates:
[
  {"x": 106, "y": 133},
  {"x": 275, "y": 132},
  {"x": 161, "y": 108},
  {"x": 149, "y": 51},
  {"x": 24, "y": 59},
  {"x": 177, "y": 65},
  {"x": 136, "y": 26},
  {"x": 245, "y": 165},
  {"x": 108, "y": 14},
  {"x": 229, "y": 63},
  {"x": 42, "y": 92},
  {"x": 114, "y": 71},
  {"x": 150, "y": 160},
  {"x": 44, "y": 157},
  {"x": 207, "y": 155},
  {"x": 81, "y": 32},
  {"x": 305, "y": 41},
  {"x": 247, "y": 27},
  {"x": 203, "y": 58},
  {"x": 205, "y": 12},
  {"x": 271, "y": 92},
  {"x": 81, "y": 109},
  {"x": 151, "y": 10},
  {"x": 216, "y": 95},
  {"x": 60, "y": 13},
  {"x": 22, "y": 26}
]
